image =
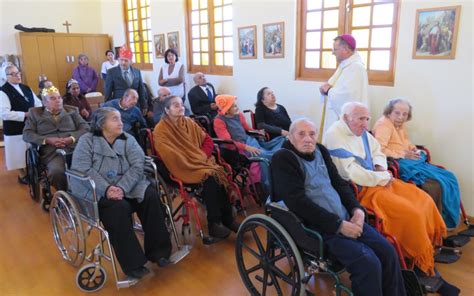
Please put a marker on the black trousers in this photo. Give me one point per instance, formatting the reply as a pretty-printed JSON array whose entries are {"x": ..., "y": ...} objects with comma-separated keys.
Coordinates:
[
  {"x": 116, "y": 215},
  {"x": 214, "y": 196},
  {"x": 217, "y": 203}
]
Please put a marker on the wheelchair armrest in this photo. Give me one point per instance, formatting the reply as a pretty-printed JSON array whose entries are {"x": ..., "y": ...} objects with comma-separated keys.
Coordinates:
[
  {"x": 259, "y": 159},
  {"x": 77, "y": 174},
  {"x": 255, "y": 133}
]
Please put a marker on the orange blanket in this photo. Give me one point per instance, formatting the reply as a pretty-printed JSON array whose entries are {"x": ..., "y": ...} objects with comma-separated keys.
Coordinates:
[{"x": 410, "y": 215}]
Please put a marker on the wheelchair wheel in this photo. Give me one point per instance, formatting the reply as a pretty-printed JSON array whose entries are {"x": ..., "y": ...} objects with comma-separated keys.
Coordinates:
[
  {"x": 91, "y": 278},
  {"x": 268, "y": 260},
  {"x": 33, "y": 173},
  {"x": 67, "y": 228}
]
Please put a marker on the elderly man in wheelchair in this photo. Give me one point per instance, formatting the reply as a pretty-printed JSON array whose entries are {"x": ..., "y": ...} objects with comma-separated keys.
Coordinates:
[
  {"x": 53, "y": 127},
  {"x": 305, "y": 178}
]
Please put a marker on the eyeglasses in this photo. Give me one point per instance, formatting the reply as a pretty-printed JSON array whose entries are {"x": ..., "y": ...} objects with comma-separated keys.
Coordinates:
[{"x": 14, "y": 74}]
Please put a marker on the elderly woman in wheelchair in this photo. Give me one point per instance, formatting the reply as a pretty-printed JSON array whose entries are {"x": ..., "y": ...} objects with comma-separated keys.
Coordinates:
[
  {"x": 115, "y": 162},
  {"x": 186, "y": 151},
  {"x": 441, "y": 184},
  {"x": 305, "y": 178}
]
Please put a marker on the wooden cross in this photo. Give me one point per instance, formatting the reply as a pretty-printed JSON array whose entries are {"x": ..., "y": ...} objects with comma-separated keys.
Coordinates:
[{"x": 67, "y": 24}]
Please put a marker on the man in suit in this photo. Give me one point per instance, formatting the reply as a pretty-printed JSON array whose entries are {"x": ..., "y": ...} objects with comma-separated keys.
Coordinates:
[
  {"x": 52, "y": 127},
  {"x": 119, "y": 79},
  {"x": 202, "y": 97}
]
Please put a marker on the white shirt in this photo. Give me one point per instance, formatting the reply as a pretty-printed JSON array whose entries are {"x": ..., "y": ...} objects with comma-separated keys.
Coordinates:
[
  {"x": 204, "y": 89},
  {"x": 6, "y": 112},
  {"x": 107, "y": 65},
  {"x": 176, "y": 90},
  {"x": 339, "y": 135}
]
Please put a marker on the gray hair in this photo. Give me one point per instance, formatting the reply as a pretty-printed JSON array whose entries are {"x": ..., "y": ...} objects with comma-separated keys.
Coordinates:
[
  {"x": 298, "y": 121},
  {"x": 82, "y": 55},
  {"x": 128, "y": 91},
  {"x": 10, "y": 66},
  {"x": 349, "y": 107},
  {"x": 196, "y": 75},
  {"x": 167, "y": 101},
  {"x": 99, "y": 117},
  {"x": 391, "y": 105}
]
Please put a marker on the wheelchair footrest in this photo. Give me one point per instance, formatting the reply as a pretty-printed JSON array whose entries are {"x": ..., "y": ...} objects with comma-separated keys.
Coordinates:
[
  {"x": 430, "y": 284},
  {"x": 468, "y": 232},
  {"x": 447, "y": 256},
  {"x": 456, "y": 241},
  {"x": 180, "y": 254}
]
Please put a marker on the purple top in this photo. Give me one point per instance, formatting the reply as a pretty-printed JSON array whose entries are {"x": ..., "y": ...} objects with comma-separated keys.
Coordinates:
[{"x": 87, "y": 78}]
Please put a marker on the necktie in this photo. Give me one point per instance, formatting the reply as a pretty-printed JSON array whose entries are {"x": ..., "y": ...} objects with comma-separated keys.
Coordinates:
[
  {"x": 209, "y": 93},
  {"x": 127, "y": 78}
]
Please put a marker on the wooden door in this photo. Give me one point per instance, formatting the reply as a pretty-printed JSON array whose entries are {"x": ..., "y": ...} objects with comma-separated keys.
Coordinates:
[
  {"x": 48, "y": 60},
  {"x": 31, "y": 67},
  {"x": 63, "y": 61}
]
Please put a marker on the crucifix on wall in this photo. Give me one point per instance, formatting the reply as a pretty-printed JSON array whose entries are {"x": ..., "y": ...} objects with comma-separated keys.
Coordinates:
[{"x": 67, "y": 24}]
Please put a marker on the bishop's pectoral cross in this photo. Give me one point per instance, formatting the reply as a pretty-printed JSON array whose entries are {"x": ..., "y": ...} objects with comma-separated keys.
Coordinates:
[{"x": 67, "y": 24}]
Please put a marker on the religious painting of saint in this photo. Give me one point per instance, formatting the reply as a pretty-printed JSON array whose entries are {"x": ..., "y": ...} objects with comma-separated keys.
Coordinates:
[
  {"x": 248, "y": 42},
  {"x": 274, "y": 40},
  {"x": 160, "y": 47},
  {"x": 436, "y": 33},
  {"x": 173, "y": 41}
]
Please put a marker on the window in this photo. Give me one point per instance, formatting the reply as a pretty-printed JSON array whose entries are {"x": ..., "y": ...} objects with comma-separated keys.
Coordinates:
[
  {"x": 209, "y": 34},
  {"x": 373, "y": 23},
  {"x": 138, "y": 32}
]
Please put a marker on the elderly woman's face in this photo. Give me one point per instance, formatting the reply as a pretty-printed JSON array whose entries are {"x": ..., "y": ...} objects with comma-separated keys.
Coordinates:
[
  {"x": 113, "y": 124},
  {"x": 75, "y": 90},
  {"x": 269, "y": 98},
  {"x": 399, "y": 114},
  {"x": 234, "y": 109},
  {"x": 176, "y": 108},
  {"x": 83, "y": 61}
]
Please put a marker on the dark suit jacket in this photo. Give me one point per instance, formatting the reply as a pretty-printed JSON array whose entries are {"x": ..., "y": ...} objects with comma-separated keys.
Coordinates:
[
  {"x": 41, "y": 124},
  {"x": 115, "y": 85},
  {"x": 200, "y": 104}
]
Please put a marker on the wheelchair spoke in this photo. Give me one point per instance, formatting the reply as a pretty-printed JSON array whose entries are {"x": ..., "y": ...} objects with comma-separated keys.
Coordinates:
[
  {"x": 275, "y": 283},
  {"x": 277, "y": 258},
  {"x": 261, "y": 249},
  {"x": 265, "y": 282},
  {"x": 282, "y": 275},
  {"x": 253, "y": 269},
  {"x": 252, "y": 251}
]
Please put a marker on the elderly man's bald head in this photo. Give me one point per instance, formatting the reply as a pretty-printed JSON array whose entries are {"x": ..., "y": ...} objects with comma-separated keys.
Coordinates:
[
  {"x": 356, "y": 116},
  {"x": 200, "y": 79},
  {"x": 303, "y": 135},
  {"x": 163, "y": 93}
]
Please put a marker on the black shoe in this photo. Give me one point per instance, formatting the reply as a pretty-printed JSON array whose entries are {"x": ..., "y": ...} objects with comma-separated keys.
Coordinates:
[
  {"x": 218, "y": 230},
  {"x": 138, "y": 273},
  {"x": 23, "y": 180},
  {"x": 234, "y": 226},
  {"x": 162, "y": 262}
]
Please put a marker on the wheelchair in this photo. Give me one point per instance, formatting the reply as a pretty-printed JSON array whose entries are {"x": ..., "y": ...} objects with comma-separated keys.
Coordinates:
[
  {"x": 73, "y": 219},
  {"x": 38, "y": 183}
]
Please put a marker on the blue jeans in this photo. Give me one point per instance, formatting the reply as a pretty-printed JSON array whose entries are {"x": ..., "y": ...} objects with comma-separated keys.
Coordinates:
[{"x": 371, "y": 261}]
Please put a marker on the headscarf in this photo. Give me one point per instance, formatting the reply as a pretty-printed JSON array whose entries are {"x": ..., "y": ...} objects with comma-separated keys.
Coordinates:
[{"x": 125, "y": 53}]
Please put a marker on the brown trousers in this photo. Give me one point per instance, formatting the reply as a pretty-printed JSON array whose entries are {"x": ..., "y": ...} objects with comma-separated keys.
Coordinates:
[{"x": 433, "y": 188}]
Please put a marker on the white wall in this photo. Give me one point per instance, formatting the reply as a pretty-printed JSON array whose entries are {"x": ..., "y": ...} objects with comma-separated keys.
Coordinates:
[{"x": 83, "y": 15}]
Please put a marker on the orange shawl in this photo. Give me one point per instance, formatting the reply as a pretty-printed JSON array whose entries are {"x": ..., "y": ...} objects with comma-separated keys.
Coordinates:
[
  {"x": 179, "y": 146},
  {"x": 410, "y": 215}
]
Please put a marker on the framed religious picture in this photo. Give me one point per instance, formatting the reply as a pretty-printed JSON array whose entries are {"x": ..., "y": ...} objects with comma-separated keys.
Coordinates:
[
  {"x": 274, "y": 40},
  {"x": 436, "y": 33},
  {"x": 248, "y": 42},
  {"x": 173, "y": 41},
  {"x": 160, "y": 47}
]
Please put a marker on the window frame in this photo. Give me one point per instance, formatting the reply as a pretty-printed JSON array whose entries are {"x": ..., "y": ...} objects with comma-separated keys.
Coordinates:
[
  {"x": 142, "y": 65},
  {"x": 210, "y": 69},
  {"x": 376, "y": 77}
]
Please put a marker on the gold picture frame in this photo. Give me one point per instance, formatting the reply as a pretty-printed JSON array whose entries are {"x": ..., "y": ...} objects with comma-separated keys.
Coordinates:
[
  {"x": 436, "y": 32},
  {"x": 247, "y": 42},
  {"x": 274, "y": 40}
]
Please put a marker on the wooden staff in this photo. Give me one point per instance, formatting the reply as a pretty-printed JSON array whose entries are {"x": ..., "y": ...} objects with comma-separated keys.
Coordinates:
[{"x": 323, "y": 118}]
